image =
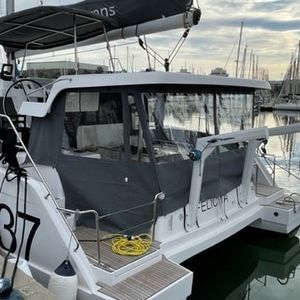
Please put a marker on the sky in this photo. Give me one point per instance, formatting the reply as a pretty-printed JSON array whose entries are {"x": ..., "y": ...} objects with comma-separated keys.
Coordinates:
[{"x": 271, "y": 31}]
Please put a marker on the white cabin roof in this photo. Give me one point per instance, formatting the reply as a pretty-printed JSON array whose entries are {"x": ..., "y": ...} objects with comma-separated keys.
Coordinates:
[
  {"x": 149, "y": 78},
  {"x": 135, "y": 79}
]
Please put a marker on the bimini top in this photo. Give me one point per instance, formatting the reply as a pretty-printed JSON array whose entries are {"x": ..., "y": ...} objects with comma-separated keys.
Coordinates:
[
  {"x": 142, "y": 79},
  {"x": 45, "y": 27}
]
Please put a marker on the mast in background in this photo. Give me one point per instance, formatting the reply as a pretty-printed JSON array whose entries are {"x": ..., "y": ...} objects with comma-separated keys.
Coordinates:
[
  {"x": 10, "y": 6},
  {"x": 239, "y": 49}
]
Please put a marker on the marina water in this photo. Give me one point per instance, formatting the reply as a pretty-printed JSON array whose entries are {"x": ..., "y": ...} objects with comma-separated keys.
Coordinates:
[{"x": 254, "y": 264}]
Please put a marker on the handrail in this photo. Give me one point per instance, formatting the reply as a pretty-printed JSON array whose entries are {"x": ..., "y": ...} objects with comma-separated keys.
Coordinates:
[
  {"x": 85, "y": 212},
  {"x": 125, "y": 210},
  {"x": 272, "y": 168},
  {"x": 46, "y": 85},
  {"x": 292, "y": 128},
  {"x": 290, "y": 198},
  {"x": 40, "y": 176},
  {"x": 158, "y": 196}
]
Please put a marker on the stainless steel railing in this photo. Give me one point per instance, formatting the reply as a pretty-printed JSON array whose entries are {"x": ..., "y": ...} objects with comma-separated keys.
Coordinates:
[
  {"x": 77, "y": 213},
  {"x": 63, "y": 211},
  {"x": 44, "y": 183}
]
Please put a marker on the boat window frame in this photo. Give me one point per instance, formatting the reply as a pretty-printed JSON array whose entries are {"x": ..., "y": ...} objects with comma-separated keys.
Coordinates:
[
  {"x": 124, "y": 106},
  {"x": 137, "y": 90}
]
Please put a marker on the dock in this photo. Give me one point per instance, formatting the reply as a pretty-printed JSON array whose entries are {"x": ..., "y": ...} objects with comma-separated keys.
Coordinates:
[{"x": 26, "y": 285}]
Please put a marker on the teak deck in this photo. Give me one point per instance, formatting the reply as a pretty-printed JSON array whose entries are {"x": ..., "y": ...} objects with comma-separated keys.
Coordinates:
[
  {"x": 112, "y": 261},
  {"x": 141, "y": 285},
  {"x": 146, "y": 283}
]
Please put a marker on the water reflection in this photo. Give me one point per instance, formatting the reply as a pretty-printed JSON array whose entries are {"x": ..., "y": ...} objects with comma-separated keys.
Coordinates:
[
  {"x": 285, "y": 148},
  {"x": 256, "y": 264},
  {"x": 251, "y": 265}
]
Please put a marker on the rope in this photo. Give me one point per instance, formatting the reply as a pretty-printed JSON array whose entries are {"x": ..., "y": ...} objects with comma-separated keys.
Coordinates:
[
  {"x": 8, "y": 156},
  {"x": 131, "y": 245}
]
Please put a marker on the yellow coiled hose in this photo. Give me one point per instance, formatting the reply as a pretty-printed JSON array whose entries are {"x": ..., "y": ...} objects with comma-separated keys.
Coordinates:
[{"x": 131, "y": 246}]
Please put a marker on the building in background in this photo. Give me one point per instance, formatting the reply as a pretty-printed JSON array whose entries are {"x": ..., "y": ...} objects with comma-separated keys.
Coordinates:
[{"x": 54, "y": 69}]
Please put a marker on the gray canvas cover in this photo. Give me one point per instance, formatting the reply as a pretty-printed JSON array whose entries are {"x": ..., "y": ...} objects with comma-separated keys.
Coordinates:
[
  {"x": 111, "y": 186},
  {"x": 45, "y": 27},
  {"x": 222, "y": 173}
]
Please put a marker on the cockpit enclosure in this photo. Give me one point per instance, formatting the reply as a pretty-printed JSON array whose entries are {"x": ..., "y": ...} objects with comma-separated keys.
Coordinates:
[{"x": 115, "y": 148}]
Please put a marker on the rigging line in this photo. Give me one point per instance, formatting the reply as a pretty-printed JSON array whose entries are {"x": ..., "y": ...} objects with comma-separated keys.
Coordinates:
[
  {"x": 179, "y": 41},
  {"x": 179, "y": 44},
  {"x": 69, "y": 247},
  {"x": 13, "y": 241},
  {"x": 153, "y": 56},
  {"x": 23, "y": 229},
  {"x": 177, "y": 50},
  {"x": 231, "y": 51},
  {"x": 148, "y": 57},
  {"x": 141, "y": 43}
]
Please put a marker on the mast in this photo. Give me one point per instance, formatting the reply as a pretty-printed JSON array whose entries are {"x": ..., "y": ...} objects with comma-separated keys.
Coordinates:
[
  {"x": 10, "y": 6},
  {"x": 250, "y": 64},
  {"x": 256, "y": 68},
  {"x": 297, "y": 83},
  {"x": 239, "y": 49},
  {"x": 253, "y": 67},
  {"x": 244, "y": 63}
]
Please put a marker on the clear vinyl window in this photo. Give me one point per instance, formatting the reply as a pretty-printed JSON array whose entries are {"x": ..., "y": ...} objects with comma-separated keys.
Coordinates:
[{"x": 93, "y": 125}]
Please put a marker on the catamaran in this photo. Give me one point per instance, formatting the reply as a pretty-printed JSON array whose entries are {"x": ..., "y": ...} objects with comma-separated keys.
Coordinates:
[
  {"x": 120, "y": 177},
  {"x": 289, "y": 96}
]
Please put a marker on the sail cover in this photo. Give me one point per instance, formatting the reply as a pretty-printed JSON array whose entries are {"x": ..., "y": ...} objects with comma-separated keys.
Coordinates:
[
  {"x": 46, "y": 27},
  {"x": 131, "y": 12}
]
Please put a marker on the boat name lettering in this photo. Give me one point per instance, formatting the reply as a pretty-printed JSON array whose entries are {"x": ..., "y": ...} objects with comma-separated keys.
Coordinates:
[
  {"x": 105, "y": 11},
  {"x": 208, "y": 204}
]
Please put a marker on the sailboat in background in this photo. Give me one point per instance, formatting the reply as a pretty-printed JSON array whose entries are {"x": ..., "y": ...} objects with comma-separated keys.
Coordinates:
[
  {"x": 289, "y": 96},
  {"x": 145, "y": 155}
]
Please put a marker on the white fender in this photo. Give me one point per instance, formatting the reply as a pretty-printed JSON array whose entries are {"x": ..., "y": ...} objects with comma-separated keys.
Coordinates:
[{"x": 64, "y": 282}]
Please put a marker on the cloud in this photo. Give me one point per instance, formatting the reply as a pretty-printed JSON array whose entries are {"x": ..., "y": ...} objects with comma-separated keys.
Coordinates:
[
  {"x": 267, "y": 24},
  {"x": 272, "y": 6},
  {"x": 271, "y": 31}
]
